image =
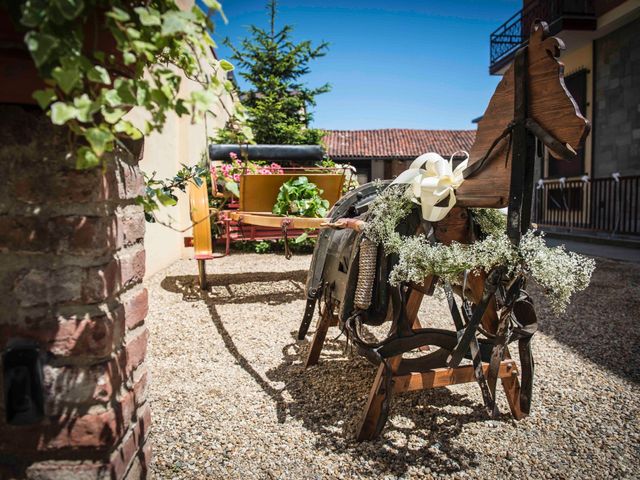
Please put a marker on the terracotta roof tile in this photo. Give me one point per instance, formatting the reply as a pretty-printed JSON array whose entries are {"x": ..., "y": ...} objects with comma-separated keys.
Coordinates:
[{"x": 396, "y": 142}]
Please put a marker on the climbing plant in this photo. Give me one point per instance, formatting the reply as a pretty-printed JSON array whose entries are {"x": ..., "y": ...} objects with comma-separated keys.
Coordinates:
[{"x": 101, "y": 58}]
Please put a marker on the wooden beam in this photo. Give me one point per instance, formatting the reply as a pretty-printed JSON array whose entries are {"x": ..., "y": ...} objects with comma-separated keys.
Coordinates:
[
  {"x": 442, "y": 377},
  {"x": 264, "y": 219}
]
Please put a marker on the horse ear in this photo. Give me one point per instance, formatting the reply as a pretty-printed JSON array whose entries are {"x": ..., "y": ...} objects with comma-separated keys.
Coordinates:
[{"x": 541, "y": 36}]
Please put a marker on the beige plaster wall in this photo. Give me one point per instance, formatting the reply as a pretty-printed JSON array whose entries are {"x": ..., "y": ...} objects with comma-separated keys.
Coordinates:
[{"x": 180, "y": 142}]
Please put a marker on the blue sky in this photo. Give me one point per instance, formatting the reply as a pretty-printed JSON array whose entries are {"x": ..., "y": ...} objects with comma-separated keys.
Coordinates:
[{"x": 391, "y": 64}]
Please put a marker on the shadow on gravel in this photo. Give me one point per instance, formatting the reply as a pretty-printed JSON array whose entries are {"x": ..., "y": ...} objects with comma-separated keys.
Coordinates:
[
  {"x": 329, "y": 398},
  {"x": 221, "y": 292},
  {"x": 601, "y": 322}
]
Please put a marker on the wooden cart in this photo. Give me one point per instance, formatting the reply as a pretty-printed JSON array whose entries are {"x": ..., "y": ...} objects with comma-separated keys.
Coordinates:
[{"x": 258, "y": 194}]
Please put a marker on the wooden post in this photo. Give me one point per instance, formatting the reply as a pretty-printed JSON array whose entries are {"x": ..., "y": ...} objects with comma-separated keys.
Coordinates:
[
  {"x": 202, "y": 274},
  {"x": 324, "y": 322},
  {"x": 368, "y": 428},
  {"x": 372, "y": 411}
]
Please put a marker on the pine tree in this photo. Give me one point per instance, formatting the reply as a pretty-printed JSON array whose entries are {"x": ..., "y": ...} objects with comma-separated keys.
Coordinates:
[{"x": 279, "y": 100}]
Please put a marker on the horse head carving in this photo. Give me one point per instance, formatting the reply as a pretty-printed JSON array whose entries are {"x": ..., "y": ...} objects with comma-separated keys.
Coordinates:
[{"x": 548, "y": 110}]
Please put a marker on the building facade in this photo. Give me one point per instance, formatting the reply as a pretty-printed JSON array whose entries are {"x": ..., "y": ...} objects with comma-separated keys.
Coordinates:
[{"x": 597, "y": 193}]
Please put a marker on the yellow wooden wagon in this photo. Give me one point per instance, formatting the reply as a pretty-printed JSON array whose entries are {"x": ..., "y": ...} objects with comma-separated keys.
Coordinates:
[{"x": 258, "y": 195}]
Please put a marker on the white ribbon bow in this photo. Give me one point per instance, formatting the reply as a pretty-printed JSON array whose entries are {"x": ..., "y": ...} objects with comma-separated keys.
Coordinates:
[{"x": 431, "y": 179}]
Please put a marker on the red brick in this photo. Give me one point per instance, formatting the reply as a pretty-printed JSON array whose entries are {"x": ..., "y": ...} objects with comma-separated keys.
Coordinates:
[
  {"x": 132, "y": 445},
  {"x": 84, "y": 234},
  {"x": 71, "y": 335},
  {"x": 136, "y": 349},
  {"x": 132, "y": 264},
  {"x": 130, "y": 181},
  {"x": 69, "y": 186},
  {"x": 131, "y": 225},
  {"x": 95, "y": 383},
  {"x": 98, "y": 431},
  {"x": 140, "y": 385},
  {"x": 72, "y": 387},
  {"x": 107, "y": 280},
  {"x": 48, "y": 287},
  {"x": 23, "y": 234},
  {"x": 136, "y": 308}
]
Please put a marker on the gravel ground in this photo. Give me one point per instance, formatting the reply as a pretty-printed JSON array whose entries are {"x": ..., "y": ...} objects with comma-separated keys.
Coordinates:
[{"x": 231, "y": 400}]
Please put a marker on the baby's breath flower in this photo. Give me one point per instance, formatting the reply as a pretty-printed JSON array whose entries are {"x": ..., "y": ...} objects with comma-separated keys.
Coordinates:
[{"x": 558, "y": 272}]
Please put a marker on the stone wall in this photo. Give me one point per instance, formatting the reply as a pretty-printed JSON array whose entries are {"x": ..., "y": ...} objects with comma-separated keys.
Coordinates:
[
  {"x": 71, "y": 263},
  {"x": 617, "y": 102}
]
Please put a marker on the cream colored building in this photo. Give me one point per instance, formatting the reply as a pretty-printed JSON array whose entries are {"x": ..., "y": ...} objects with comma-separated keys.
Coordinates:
[
  {"x": 181, "y": 142},
  {"x": 598, "y": 192}
]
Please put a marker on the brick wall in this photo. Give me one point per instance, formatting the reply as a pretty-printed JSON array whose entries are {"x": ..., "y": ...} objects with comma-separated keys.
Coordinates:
[
  {"x": 617, "y": 102},
  {"x": 71, "y": 264}
]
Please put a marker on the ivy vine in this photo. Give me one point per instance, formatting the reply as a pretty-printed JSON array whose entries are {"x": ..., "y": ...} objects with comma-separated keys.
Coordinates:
[{"x": 99, "y": 59}]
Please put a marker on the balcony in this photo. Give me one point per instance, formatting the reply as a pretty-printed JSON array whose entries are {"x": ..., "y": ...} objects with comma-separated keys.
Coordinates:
[
  {"x": 559, "y": 14},
  {"x": 597, "y": 206}
]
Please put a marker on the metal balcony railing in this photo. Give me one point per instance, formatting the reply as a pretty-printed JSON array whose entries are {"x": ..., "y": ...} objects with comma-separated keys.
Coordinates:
[
  {"x": 513, "y": 33},
  {"x": 607, "y": 205}
]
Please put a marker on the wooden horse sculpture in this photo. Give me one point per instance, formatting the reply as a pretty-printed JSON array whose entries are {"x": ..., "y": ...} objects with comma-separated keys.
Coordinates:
[{"x": 531, "y": 102}]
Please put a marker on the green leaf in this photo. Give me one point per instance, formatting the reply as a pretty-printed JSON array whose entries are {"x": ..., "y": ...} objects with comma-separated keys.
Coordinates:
[
  {"x": 125, "y": 91},
  {"x": 165, "y": 199},
  {"x": 126, "y": 127},
  {"x": 62, "y": 112},
  {"x": 301, "y": 238},
  {"x": 69, "y": 9},
  {"x": 99, "y": 74},
  {"x": 86, "y": 158},
  {"x": 133, "y": 33},
  {"x": 112, "y": 116},
  {"x": 148, "y": 16},
  {"x": 128, "y": 58},
  {"x": 100, "y": 139},
  {"x": 111, "y": 97},
  {"x": 173, "y": 22},
  {"x": 66, "y": 78},
  {"x": 118, "y": 14},
  {"x": 232, "y": 187},
  {"x": 226, "y": 65},
  {"x": 85, "y": 108},
  {"x": 44, "y": 97},
  {"x": 213, "y": 4},
  {"x": 203, "y": 100},
  {"x": 41, "y": 46},
  {"x": 31, "y": 15},
  {"x": 180, "y": 108}
]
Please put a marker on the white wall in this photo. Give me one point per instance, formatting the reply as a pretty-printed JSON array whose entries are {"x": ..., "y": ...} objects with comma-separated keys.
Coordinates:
[{"x": 180, "y": 142}]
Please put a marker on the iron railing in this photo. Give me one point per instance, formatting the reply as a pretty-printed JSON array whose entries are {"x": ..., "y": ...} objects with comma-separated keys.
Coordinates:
[
  {"x": 513, "y": 33},
  {"x": 608, "y": 205}
]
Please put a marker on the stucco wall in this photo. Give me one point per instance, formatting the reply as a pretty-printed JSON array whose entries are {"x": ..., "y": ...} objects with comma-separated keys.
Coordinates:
[{"x": 181, "y": 142}]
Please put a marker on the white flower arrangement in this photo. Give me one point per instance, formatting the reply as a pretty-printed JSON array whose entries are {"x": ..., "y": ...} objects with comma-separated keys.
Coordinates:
[{"x": 558, "y": 272}]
